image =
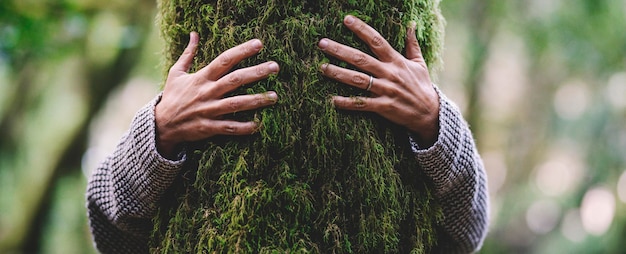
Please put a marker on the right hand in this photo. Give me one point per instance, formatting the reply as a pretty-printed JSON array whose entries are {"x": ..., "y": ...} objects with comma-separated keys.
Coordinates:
[{"x": 193, "y": 104}]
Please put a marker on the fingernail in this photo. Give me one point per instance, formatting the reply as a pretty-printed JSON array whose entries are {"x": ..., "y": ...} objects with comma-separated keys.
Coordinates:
[
  {"x": 323, "y": 43},
  {"x": 273, "y": 67},
  {"x": 256, "y": 44},
  {"x": 349, "y": 20},
  {"x": 257, "y": 126},
  {"x": 272, "y": 96},
  {"x": 194, "y": 37},
  {"x": 323, "y": 67},
  {"x": 333, "y": 101},
  {"x": 413, "y": 25}
]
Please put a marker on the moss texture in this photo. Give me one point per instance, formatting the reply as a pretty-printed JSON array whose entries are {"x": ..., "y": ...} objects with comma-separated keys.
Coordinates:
[{"x": 314, "y": 179}]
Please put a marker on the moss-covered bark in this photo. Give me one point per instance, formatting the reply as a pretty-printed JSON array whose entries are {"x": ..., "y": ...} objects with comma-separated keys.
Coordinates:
[{"x": 314, "y": 179}]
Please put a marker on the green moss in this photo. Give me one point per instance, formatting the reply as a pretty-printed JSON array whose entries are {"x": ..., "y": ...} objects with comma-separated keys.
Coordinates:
[{"x": 313, "y": 179}]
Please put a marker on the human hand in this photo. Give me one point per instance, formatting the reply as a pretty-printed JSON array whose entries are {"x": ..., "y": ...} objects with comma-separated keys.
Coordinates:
[
  {"x": 193, "y": 104},
  {"x": 401, "y": 87}
]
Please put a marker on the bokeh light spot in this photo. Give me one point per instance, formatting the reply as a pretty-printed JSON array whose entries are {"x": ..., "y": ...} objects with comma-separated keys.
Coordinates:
[
  {"x": 616, "y": 91},
  {"x": 542, "y": 216},
  {"x": 572, "y": 227},
  {"x": 561, "y": 173},
  {"x": 597, "y": 210},
  {"x": 571, "y": 100}
]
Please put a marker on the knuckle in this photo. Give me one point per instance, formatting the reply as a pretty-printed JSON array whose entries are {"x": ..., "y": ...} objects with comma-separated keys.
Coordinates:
[
  {"x": 395, "y": 77},
  {"x": 359, "y": 103},
  {"x": 234, "y": 79},
  {"x": 377, "y": 41},
  {"x": 392, "y": 91},
  {"x": 206, "y": 128},
  {"x": 234, "y": 105},
  {"x": 359, "y": 80},
  {"x": 361, "y": 26},
  {"x": 230, "y": 128},
  {"x": 226, "y": 59},
  {"x": 204, "y": 93},
  {"x": 360, "y": 59},
  {"x": 260, "y": 70},
  {"x": 387, "y": 106}
]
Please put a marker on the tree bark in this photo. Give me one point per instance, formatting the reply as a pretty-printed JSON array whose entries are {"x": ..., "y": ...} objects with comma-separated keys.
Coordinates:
[{"x": 314, "y": 179}]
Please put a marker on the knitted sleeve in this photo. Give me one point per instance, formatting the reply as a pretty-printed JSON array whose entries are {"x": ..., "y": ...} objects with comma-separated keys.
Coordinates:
[
  {"x": 123, "y": 191},
  {"x": 456, "y": 169}
]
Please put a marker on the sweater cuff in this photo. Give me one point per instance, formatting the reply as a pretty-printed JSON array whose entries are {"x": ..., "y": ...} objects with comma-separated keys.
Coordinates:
[
  {"x": 149, "y": 173},
  {"x": 144, "y": 131},
  {"x": 440, "y": 161}
]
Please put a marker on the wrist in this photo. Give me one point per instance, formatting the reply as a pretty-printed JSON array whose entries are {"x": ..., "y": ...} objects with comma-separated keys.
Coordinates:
[
  {"x": 168, "y": 150},
  {"x": 427, "y": 135},
  {"x": 165, "y": 144}
]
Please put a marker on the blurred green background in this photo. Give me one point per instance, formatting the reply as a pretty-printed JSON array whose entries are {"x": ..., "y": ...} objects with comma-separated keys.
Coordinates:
[{"x": 541, "y": 82}]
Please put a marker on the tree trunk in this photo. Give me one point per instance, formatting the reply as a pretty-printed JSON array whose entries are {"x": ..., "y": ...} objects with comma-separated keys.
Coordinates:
[{"x": 314, "y": 179}]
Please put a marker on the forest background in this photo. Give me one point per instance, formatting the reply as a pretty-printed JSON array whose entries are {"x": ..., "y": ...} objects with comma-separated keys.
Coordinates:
[{"x": 541, "y": 82}]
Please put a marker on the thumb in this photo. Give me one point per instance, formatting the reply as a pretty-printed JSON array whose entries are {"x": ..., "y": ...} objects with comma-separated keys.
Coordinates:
[
  {"x": 413, "y": 51},
  {"x": 184, "y": 61}
]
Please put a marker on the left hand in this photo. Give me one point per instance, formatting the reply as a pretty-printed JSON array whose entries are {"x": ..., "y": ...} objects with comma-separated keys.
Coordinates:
[{"x": 401, "y": 87}]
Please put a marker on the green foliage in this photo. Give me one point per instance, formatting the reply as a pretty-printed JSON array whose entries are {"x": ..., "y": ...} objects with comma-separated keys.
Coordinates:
[
  {"x": 587, "y": 33},
  {"x": 314, "y": 179},
  {"x": 34, "y": 31}
]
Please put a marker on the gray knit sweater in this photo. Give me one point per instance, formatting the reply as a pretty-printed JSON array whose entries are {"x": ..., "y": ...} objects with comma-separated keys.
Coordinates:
[{"x": 123, "y": 191}]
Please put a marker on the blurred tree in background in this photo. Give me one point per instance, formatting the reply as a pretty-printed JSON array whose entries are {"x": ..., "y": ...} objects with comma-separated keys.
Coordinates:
[
  {"x": 59, "y": 61},
  {"x": 542, "y": 83}
]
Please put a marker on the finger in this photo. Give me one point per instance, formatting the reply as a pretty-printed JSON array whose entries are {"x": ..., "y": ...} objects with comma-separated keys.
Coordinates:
[
  {"x": 243, "y": 103},
  {"x": 185, "y": 60},
  {"x": 413, "y": 51},
  {"x": 357, "y": 103},
  {"x": 241, "y": 77},
  {"x": 353, "y": 78},
  {"x": 229, "y": 58},
  {"x": 353, "y": 56},
  {"x": 227, "y": 127},
  {"x": 372, "y": 38}
]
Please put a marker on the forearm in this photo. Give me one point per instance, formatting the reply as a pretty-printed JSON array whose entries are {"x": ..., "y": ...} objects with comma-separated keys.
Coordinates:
[
  {"x": 123, "y": 192},
  {"x": 456, "y": 169}
]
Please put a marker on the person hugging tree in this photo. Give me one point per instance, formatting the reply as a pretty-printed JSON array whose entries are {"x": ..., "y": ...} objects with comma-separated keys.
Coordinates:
[{"x": 295, "y": 126}]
